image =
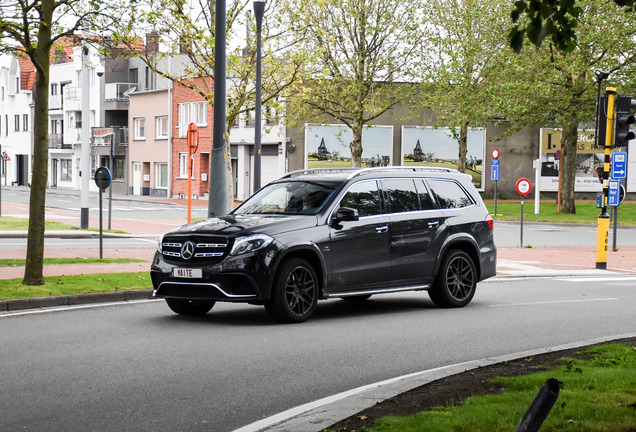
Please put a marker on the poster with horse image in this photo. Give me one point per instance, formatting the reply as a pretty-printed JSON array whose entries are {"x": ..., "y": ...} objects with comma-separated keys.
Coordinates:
[
  {"x": 439, "y": 147},
  {"x": 328, "y": 146}
]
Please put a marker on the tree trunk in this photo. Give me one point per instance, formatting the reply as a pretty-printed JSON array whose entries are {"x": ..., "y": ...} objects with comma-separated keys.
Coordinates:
[
  {"x": 356, "y": 145},
  {"x": 35, "y": 241},
  {"x": 569, "y": 139},
  {"x": 463, "y": 147}
]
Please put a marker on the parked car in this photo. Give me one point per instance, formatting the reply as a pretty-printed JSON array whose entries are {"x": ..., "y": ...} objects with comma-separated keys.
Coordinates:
[{"x": 324, "y": 233}]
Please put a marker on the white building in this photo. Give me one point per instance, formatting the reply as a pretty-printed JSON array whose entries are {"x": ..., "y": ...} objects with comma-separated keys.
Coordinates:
[{"x": 17, "y": 78}]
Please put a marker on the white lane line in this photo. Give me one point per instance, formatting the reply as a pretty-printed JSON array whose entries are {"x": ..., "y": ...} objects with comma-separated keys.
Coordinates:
[
  {"x": 553, "y": 302},
  {"x": 64, "y": 308},
  {"x": 604, "y": 279}
]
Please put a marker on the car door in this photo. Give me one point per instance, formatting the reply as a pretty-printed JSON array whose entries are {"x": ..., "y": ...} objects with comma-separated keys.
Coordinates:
[
  {"x": 418, "y": 230},
  {"x": 360, "y": 250}
]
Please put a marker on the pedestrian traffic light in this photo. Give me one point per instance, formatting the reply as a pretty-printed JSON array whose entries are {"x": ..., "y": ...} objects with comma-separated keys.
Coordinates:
[{"x": 624, "y": 118}]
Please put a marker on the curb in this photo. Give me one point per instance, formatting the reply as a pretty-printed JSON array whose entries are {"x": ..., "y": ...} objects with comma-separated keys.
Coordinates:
[
  {"x": 318, "y": 415},
  {"x": 71, "y": 300}
]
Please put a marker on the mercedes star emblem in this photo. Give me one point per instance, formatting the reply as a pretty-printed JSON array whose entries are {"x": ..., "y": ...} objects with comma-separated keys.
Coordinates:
[{"x": 187, "y": 250}]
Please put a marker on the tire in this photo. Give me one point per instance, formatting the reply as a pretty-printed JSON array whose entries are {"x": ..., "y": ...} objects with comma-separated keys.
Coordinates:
[
  {"x": 357, "y": 298},
  {"x": 294, "y": 293},
  {"x": 190, "y": 307},
  {"x": 456, "y": 281}
]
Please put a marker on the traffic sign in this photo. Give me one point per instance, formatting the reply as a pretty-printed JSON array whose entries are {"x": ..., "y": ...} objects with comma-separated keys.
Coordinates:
[
  {"x": 102, "y": 177},
  {"x": 495, "y": 153},
  {"x": 557, "y": 154},
  {"x": 619, "y": 165},
  {"x": 523, "y": 186},
  {"x": 494, "y": 172},
  {"x": 495, "y": 162},
  {"x": 6, "y": 158},
  {"x": 613, "y": 193}
]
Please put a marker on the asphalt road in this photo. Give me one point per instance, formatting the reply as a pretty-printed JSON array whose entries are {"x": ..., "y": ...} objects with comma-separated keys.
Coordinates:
[
  {"x": 82, "y": 243},
  {"x": 139, "y": 367}
]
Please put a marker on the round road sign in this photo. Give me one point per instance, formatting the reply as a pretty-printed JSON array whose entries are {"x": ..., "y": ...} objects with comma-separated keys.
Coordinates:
[
  {"x": 102, "y": 177},
  {"x": 495, "y": 153},
  {"x": 557, "y": 155},
  {"x": 523, "y": 186}
]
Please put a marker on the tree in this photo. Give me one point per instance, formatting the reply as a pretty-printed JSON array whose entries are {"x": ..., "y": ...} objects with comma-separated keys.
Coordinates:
[
  {"x": 466, "y": 46},
  {"x": 360, "y": 58},
  {"x": 563, "y": 84},
  {"x": 30, "y": 28},
  {"x": 557, "y": 19},
  {"x": 189, "y": 29}
]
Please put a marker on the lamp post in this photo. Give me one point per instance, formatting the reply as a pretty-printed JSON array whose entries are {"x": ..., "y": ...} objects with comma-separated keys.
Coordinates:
[
  {"x": 86, "y": 129},
  {"x": 259, "y": 8}
]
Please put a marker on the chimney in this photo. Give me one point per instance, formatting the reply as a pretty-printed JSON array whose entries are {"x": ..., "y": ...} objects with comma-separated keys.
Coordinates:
[{"x": 152, "y": 42}]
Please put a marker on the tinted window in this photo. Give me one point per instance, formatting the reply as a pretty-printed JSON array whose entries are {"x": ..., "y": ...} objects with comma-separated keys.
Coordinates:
[
  {"x": 293, "y": 197},
  {"x": 426, "y": 201},
  {"x": 449, "y": 194},
  {"x": 364, "y": 197},
  {"x": 402, "y": 195}
]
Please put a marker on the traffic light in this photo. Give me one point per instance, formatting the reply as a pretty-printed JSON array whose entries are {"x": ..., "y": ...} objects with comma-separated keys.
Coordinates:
[{"x": 624, "y": 106}]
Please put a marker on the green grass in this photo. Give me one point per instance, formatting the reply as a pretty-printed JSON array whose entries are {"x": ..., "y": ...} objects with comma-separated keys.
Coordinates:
[
  {"x": 598, "y": 395},
  {"x": 10, "y": 223},
  {"x": 10, "y": 262},
  {"x": 586, "y": 213},
  {"x": 75, "y": 284}
]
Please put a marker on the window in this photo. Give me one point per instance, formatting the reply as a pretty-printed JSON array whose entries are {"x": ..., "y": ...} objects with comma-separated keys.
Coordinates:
[
  {"x": 161, "y": 175},
  {"x": 192, "y": 112},
  {"x": 140, "y": 128},
  {"x": 364, "y": 197},
  {"x": 162, "y": 127},
  {"x": 17, "y": 85},
  {"x": 67, "y": 169},
  {"x": 183, "y": 165},
  {"x": 450, "y": 194},
  {"x": 25, "y": 122},
  {"x": 54, "y": 89},
  {"x": 6, "y": 125},
  {"x": 402, "y": 195},
  {"x": 17, "y": 122},
  {"x": 2, "y": 93},
  {"x": 134, "y": 76},
  {"x": 150, "y": 83},
  {"x": 426, "y": 201},
  {"x": 119, "y": 169},
  {"x": 75, "y": 119}
]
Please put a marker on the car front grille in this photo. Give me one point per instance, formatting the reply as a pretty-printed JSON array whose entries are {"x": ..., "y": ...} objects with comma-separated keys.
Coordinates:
[{"x": 194, "y": 248}]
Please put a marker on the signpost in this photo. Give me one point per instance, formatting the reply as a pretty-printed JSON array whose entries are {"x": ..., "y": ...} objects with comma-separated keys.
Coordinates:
[
  {"x": 193, "y": 145},
  {"x": 102, "y": 179},
  {"x": 523, "y": 188},
  {"x": 494, "y": 173},
  {"x": 557, "y": 155}
]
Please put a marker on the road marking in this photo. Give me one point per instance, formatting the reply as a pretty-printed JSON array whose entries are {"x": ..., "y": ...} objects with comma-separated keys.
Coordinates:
[
  {"x": 552, "y": 302},
  {"x": 63, "y": 308},
  {"x": 605, "y": 279}
]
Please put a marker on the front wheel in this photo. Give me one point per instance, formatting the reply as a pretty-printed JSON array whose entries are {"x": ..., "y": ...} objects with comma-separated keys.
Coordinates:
[
  {"x": 190, "y": 307},
  {"x": 455, "y": 284},
  {"x": 294, "y": 293}
]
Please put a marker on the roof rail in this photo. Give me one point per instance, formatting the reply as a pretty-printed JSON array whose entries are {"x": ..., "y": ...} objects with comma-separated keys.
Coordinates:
[{"x": 361, "y": 171}]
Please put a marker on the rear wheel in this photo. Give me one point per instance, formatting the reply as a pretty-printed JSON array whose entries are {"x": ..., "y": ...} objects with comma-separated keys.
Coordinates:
[
  {"x": 190, "y": 307},
  {"x": 294, "y": 293},
  {"x": 455, "y": 284}
]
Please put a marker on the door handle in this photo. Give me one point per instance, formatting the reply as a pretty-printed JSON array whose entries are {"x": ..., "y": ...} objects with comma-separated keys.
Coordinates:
[
  {"x": 382, "y": 229},
  {"x": 433, "y": 224}
]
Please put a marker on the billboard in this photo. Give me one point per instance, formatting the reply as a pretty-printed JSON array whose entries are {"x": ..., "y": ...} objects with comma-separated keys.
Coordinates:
[
  {"x": 328, "y": 146},
  {"x": 438, "y": 147}
]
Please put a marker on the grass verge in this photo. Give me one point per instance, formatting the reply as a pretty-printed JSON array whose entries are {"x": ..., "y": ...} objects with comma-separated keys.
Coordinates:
[
  {"x": 10, "y": 223},
  {"x": 75, "y": 284},
  {"x": 586, "y": 213},
  {"x": 599, "y": 394},
  {"x": 10, "y": 262}
]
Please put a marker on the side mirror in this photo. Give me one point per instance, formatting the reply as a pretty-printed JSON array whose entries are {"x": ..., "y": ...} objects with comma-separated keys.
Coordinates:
[{"x": 345, "y": 214}]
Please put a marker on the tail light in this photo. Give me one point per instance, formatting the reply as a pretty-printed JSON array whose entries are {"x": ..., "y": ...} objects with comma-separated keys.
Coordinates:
[{"x": 490, "y": 222}]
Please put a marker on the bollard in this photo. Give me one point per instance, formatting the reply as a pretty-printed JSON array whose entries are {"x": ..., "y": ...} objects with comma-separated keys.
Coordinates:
[{"x": 540, "y": 407}]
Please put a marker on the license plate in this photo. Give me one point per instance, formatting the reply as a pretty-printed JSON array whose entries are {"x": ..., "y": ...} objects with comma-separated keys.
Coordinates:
[{"x": 190, "y": 273}]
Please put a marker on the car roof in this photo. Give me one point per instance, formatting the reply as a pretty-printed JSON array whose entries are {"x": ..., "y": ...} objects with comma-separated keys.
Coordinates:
[{"x": 345, "y": 174}]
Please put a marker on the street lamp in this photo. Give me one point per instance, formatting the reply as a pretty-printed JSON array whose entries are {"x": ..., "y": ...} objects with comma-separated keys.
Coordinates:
[{"x": 259, "y": 8}]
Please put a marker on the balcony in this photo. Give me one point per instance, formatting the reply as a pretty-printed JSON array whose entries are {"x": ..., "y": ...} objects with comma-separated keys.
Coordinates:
[
  {"x": 55, "y": 102},
  {"x": 103, "y": 137},
  {"x": 119, "y": 91},
  {"x": 56, "y": 141}
]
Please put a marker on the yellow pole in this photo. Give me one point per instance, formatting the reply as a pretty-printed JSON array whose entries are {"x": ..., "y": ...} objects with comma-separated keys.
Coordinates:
[{"x": 602, "y": 236}]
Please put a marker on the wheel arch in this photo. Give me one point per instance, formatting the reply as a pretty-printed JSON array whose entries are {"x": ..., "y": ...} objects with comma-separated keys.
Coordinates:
[
  {"x": 312, "y": 255},
  {"x": 464, "y": 243}
]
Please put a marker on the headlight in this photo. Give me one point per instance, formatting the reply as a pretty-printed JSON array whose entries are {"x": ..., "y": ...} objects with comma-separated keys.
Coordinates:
[{"x": 250, "y": 243}]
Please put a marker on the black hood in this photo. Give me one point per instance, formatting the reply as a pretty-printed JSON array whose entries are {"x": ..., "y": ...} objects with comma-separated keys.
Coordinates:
[{"x": 234, "y": 226}]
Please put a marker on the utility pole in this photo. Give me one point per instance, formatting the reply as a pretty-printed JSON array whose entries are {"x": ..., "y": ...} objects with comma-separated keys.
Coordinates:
[{"x": 86, "y": 129}]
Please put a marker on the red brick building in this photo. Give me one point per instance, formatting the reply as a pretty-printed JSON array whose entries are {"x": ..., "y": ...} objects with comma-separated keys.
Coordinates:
[{"x": 188, "y": 107}]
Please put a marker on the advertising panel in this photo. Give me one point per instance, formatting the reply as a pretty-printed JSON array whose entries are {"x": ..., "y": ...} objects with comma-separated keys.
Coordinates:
[
  {"x": 327, "y": 146},
  {"x": 438, "y": 147}
]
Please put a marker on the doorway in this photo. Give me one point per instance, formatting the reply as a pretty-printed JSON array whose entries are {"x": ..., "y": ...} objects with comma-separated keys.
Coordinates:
[{"x": 137, "y": 178}]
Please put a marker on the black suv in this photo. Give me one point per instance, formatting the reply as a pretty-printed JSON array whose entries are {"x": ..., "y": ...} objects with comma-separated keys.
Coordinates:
[{"x": 324, "y": 233}]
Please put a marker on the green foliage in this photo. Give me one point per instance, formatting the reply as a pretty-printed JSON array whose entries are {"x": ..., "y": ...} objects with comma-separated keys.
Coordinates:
[
  {"x": 598, "y": 394},
  {"x": 75, "y": 284}
]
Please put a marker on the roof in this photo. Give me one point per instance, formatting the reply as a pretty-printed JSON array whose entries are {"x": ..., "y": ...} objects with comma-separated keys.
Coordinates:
[{"x": 27, "y": 73}]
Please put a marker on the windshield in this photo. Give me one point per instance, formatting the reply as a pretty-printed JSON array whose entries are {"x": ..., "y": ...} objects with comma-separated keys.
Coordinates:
[{"x": 292, "y": 197}]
